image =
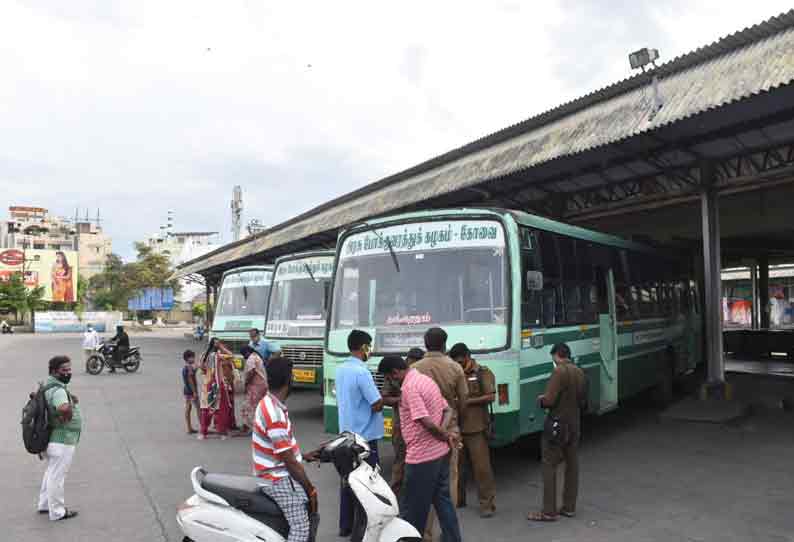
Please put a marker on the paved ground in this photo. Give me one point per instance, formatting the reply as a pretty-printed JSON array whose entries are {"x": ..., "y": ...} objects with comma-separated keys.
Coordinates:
[{"x": 642, "y": 480}]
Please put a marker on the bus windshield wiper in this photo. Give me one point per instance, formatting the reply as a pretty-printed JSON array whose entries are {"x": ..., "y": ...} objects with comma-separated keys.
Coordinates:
[
  {"x": 309, "y": 271},
  {"x": 388, "y": 245},
  {"x": 245, "y": 292}
]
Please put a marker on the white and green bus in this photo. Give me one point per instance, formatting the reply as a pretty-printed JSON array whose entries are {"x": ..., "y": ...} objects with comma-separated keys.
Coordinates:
[
  {"x": 298, "y": 311},
  {"x": 241, "y": 305},
  {"x": 510, "y": 285}
]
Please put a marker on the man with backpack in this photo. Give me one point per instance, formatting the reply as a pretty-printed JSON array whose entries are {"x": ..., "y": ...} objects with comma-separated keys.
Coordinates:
[
  {"x": 65, "y": 424},
  {"x": 565, "y": 398}
]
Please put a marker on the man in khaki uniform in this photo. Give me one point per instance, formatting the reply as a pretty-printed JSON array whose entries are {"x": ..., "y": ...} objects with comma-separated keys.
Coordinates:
[
  {"x": 451, "y": 380},
  {"x": 391, "y": 398},
  {"x": 475, "y": 424},
  {"x": 565, "y": 395}
]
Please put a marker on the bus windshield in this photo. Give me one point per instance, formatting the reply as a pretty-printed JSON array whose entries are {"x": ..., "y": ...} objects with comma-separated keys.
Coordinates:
[
  {"x": 298, "y": 305},
  {"x": 244, "y": 293},
  {"x": 451, "y": 273}
]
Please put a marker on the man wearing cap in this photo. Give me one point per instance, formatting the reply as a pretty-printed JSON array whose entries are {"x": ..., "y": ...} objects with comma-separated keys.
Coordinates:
[
  {"x": 475, "y": 425},
  {"x": 391, "y": 398}
]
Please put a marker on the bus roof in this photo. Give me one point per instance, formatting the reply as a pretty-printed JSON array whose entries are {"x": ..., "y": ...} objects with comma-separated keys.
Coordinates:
[
  {"x": 247, "y": 268},
  {"x": 307, "y": 254},
  {"x": 526, "y": 219}
]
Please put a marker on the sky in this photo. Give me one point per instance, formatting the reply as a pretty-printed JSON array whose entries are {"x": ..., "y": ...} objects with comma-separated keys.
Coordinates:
[{"x": 139, "y": 107}]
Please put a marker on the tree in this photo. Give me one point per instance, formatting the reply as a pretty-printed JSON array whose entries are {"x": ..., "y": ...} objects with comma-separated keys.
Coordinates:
[
  {"x": 199, "y": 310},
  {"x": 17, "y": 298},
  {"x": 119, "y": 281}
]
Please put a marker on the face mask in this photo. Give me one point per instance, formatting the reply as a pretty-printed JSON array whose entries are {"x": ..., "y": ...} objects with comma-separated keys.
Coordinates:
[{"x": 64, "y": 378}]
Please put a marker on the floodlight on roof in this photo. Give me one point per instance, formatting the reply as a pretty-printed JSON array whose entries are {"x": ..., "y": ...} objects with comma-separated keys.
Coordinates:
[{"x": 643, "y": 57}]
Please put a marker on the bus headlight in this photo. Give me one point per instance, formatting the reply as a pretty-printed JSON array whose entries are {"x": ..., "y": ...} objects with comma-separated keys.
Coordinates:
[
  {"x": 330, "y": 387},
  {"x": 503, "y": 393}
]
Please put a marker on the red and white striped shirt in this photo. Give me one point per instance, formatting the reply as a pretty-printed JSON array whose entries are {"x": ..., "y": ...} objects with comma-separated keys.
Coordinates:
[
  {"x": 421, "y": 398},
  {"x": 272, "y": 435}
]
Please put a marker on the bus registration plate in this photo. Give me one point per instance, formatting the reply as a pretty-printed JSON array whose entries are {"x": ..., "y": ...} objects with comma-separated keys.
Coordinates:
[
  {"x": 387, "y": 427},
  {"x": 303, "y": 375}
]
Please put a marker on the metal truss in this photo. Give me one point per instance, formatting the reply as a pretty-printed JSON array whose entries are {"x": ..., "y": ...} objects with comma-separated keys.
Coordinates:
[{"x": 667, "y": 182}]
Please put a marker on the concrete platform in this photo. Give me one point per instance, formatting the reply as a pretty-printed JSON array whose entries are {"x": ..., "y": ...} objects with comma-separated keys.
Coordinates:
[{"x": 708, "y": 411}]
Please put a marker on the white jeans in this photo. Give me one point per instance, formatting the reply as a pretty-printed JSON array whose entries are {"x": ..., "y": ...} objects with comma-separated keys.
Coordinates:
[{"x": 51, "y": 497}]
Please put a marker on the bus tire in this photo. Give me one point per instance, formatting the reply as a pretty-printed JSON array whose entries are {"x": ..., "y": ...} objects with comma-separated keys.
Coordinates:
[{"x": 663, "y": 392}]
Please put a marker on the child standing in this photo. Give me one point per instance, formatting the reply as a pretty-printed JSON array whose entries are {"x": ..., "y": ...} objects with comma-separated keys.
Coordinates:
[{"x": 190, "y": 389}]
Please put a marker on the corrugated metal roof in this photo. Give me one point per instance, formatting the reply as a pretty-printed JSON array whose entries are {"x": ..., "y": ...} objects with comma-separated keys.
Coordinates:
[{"x": 748, "y": 63}]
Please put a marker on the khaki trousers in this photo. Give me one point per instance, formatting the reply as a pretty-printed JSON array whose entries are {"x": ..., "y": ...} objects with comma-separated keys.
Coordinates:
[
  {"x": 454, "y": 462},
  {"x": 552, "y": 456},
  {"x": 398, "y": 467},
  {"x": 475, "y": 447}
]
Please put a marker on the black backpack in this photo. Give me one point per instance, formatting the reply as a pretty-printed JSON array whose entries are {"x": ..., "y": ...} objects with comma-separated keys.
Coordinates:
[{"x": 36, "y": 421}]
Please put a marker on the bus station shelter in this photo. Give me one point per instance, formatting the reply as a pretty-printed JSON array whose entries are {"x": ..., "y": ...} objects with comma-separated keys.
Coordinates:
[{"x": 701, "y": 159}]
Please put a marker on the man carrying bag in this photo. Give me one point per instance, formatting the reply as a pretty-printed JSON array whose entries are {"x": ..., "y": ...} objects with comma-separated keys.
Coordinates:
[{"x": 565, "y": 396}]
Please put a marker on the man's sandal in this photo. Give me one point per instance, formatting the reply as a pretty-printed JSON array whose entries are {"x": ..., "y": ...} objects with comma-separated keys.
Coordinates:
[
  {"x": 541, "y": 516},
  {"x": 68, "y": 515},
  {"x": 567, "y": 513}
]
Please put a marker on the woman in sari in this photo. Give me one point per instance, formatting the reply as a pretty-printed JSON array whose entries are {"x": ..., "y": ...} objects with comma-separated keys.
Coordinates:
[
  {"x": 255, "y": 378},
  {"x": 62, "y": 290},
  {"x": 220, "y": 388}
]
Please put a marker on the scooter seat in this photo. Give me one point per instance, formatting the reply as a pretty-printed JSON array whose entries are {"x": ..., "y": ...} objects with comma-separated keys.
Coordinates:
[{"x": 245, "y": 493}]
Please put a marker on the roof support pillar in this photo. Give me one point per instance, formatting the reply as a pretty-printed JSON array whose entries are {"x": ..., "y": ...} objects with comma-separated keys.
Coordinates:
[
  {"x": 709, "y": 200},
  {"x": 763, "y": 290},
  {"x": 210, "y": 310}
]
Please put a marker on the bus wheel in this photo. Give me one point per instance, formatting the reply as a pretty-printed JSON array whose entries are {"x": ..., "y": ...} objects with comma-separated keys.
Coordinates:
[{"x": 663, "y": 392}]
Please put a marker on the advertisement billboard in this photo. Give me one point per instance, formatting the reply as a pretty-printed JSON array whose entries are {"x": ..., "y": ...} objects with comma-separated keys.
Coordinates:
[
  {"x": 56, "y": 270},
  {"x": 65, "y": 322},
  {"x": 152, "y": 299}
]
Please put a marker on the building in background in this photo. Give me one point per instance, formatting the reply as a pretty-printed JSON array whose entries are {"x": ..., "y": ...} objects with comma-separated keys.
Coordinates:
[
  {"x": 181, "y": 247},
  {"x": 93, "y": 246},
  {"x": 36, "y": 228}
]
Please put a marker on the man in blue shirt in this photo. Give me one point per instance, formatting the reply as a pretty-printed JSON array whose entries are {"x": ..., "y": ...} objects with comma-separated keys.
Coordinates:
[
  {"x": 360, "y": 411},
  {"x": 265, "y": 349}
]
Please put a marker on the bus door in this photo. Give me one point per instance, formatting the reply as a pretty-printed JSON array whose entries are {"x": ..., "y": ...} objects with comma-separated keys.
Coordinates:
[{"x": 608, "y": 381}]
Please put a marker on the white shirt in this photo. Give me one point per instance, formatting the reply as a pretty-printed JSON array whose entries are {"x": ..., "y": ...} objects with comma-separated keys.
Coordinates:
[{"x": 90, "y": 339}]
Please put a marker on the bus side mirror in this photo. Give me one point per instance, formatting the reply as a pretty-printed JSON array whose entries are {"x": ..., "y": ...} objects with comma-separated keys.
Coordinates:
[
  {"x": 534, "y": 281},
  {"x": 326, "y": 295}
]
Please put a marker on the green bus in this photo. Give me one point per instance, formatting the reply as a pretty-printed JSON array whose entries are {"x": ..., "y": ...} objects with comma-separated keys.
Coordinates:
[
  {"x": 298, "y": 310},
  {"x": 510, "y": 285},
  {"x": 241, "y": 305}
]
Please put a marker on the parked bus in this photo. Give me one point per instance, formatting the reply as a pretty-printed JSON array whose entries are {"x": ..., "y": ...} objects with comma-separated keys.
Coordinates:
[
  {"x": 241, "y": 305},
  {"x": 298, "y": 311},
  {"x": 510, "y": 285}
]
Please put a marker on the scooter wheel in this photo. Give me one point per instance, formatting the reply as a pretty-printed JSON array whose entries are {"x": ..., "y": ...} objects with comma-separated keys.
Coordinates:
[{"x": 94, "y": 365}]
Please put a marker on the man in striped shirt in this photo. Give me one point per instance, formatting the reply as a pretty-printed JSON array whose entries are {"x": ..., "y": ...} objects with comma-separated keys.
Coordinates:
[
  {"x": 425, "y": 419},
  {"x": 277, "y": 456}
]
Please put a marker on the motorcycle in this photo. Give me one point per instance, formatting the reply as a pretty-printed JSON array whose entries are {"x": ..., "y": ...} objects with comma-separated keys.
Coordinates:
[
  {"x": 103, "y": 356},
  {"x": 229, "y": 508}
]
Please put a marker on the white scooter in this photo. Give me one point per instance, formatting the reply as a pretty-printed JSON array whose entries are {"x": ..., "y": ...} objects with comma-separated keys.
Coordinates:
[{"x": 228, "y": 508}]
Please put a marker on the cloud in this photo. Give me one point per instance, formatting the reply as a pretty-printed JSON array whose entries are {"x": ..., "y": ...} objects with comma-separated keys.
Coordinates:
[{"x": 139, "y": 107}]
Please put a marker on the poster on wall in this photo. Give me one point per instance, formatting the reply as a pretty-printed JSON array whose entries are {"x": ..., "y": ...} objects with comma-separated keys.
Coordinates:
[{"x": 55, "y": 270}]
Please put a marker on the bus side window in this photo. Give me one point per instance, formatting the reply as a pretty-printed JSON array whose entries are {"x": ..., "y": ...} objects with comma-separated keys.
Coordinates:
[
  {"x": 531, "y": 300},
  {"x": 624, "y": 301},
  {"x": 552, "y": 280}
]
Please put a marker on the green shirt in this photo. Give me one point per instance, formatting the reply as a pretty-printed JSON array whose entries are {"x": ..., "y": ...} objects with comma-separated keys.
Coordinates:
[{"x": 62, "y": 432}]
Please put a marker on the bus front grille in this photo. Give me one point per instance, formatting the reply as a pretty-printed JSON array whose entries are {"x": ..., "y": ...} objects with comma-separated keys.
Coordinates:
[{"x": 304, "y": 355}]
